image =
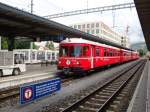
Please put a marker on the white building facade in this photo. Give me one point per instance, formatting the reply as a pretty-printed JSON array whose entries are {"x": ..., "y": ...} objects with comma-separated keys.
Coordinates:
[
  {"x": 101, "y": 30},
  {"x": 125, "y": 41}
]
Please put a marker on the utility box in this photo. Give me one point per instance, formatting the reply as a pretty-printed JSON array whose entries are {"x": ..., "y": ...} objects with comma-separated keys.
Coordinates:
[{"x": 6, "y": 58}]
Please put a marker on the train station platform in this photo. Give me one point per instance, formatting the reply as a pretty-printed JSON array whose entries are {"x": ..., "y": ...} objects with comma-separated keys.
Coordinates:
[
  {"x": 141, "y": 99},
  {"x": 34, "y": 73}
]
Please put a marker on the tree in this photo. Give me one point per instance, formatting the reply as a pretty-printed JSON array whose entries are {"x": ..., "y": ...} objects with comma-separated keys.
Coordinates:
[
  {"x": 22, "y": 44},
  {"x": 34, "y": 46},
  {"x": 142, "y": 52},
  {"x": 50, "y": 45},
  {"x": 4, "y": 43},
  {"x": 18, "y": 44}
]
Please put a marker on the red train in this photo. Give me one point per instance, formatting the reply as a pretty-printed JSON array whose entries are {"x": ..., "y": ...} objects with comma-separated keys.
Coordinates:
[{"x": 79, "y": 56}]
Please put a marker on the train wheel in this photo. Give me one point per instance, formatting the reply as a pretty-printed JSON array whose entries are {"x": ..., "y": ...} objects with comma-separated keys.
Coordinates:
[
  {"x": 16, "y": 71},
  {"x": 1, "y": 73}
]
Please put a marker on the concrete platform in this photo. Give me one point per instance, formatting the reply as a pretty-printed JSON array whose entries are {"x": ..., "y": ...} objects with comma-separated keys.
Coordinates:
[
  {"x": 33, "y": 73},
  {"x": 141, "y": 98},
  {"x": 66, "y": 95}
]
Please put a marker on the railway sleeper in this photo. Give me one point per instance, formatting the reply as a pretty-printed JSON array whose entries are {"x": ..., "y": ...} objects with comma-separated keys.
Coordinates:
[
  {"x": 106, "y": 93},
  {"x": 92, "y": 105},
  {"x": 87, "y": 109},
  {"x": 116, "y": 102},
  {"x": 109, "y": 111},
  {"x": 114, "y": 86},
  {"x": 96, "y": 101},
  {"x": 119, "y": 97},
  {"x": 101, "y": 97},
  {"x": 100, "y": 101},
  {"x": 110, "y": 89}
]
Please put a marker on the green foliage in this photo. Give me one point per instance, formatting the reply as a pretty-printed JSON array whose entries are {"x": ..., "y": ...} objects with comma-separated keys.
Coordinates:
[
  {"x": 18, "y": 44},
  {"x": 21, "y": 44},
  {"x": 4, "y": 44},
  {"x": 142, "y": 52},
  {"x": 50, "y": 45},
  {"x": 34, "y": 46}
]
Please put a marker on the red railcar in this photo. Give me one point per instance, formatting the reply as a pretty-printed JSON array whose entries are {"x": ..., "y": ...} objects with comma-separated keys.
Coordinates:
[{"x": 78, "y": 55}]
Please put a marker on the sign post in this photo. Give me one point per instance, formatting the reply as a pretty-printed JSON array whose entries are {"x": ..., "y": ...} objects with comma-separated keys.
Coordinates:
[{"x": 32, "y": 92}]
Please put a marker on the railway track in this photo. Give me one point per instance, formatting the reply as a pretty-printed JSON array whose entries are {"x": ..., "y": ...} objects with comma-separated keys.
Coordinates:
[
  {"x": 14, "y": 91},
  {"x": 113, "y": 96}
]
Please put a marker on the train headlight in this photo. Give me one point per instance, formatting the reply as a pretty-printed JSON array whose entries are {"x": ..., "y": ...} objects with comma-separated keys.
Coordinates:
[
  {"x": 59, "y": 62},
  {"x": 77, "y": 63}
]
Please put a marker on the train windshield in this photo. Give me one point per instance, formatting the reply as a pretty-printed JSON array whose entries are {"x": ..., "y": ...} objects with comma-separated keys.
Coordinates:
[
  {"x": 73, "y": 51},
  {"x": 64, "y": 51}
]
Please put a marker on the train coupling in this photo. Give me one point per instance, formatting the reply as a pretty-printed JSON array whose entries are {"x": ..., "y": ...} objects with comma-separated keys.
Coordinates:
[{"x": 66, "y": 70}]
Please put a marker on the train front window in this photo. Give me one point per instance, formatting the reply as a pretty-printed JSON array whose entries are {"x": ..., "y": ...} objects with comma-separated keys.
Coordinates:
[
  {"x": 64, "y": 51},
  {"x": 75, "y": 51}
]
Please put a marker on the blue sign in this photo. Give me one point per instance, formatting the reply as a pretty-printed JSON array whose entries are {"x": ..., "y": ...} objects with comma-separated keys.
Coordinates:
[{"x": 31, "y": 92}]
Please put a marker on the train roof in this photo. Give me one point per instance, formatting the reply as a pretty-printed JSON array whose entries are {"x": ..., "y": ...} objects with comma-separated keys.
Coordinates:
[{"x": 83, "y": 41}]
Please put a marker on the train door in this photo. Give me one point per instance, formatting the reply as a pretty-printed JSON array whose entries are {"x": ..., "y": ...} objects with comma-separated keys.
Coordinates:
[{"x": 92, "y": 57}]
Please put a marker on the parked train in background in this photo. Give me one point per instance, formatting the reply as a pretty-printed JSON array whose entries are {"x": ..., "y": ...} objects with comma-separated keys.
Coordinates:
[{"x": 80, "y": 56}]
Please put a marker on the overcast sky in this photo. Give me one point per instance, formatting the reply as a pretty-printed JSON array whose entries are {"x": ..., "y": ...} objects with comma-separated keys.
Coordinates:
[{"x": 123, "y": 17}]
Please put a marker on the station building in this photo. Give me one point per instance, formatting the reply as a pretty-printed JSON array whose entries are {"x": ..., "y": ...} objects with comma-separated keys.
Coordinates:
[{"x": 102, "y": 31}]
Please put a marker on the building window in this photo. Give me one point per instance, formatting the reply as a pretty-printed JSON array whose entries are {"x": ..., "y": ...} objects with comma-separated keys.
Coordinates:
[
  {"x": 92, "y": 25},
  {"x": 92, "y": 31},
  {"x": 97, "y": 31},
  {"x": 97, "y": 51},
  {"x": 88, "y": 31},
  {"x": 75, "y": 26},
  {"x": 97, "y": 24},
  {"x": 88, "y": 25},
  {"x": 79, "y": 26},
  {"x": 83, "y": 26}
]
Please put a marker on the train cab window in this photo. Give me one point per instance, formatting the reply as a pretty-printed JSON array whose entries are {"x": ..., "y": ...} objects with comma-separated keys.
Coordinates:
[
  {"x": 75, "y": 51},
  {"x": 63, "y": 51},
  {"x": 97, "y": 51},
  {"x": 105, "y": 52}
]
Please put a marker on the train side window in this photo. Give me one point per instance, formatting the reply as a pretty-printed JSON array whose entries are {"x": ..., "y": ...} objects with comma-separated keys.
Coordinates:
[
  {"x": 85, "y": 51},
  {"x": 97, "y": 51},
  {"x": 110, "y": 53},
  {"x": 105, "y": 52}
]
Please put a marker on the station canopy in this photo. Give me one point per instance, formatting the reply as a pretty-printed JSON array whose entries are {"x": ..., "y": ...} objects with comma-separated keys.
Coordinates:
[
  {"x": 21, "y": 24},
  {"x": 143, "y": 10}
]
